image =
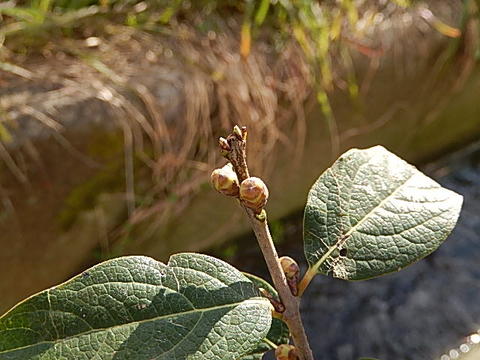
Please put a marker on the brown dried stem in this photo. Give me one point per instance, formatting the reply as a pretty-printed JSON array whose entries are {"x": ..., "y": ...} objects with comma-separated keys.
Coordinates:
[{"x": 234, "y": 149}]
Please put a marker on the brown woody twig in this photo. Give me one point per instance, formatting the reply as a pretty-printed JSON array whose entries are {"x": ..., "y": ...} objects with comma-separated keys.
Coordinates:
[{"x": 234, "y": 149}]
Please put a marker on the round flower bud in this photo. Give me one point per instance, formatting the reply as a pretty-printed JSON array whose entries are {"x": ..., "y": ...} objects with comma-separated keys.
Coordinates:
[
  {"x": 286, "y": 352},
  {"x": 225, "y": 181},
  {"x": 254, "y": 194},
  {"x": 290, "y": 267}
]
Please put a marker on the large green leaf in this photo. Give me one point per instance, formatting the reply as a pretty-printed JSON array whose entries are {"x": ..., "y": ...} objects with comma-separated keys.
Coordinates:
[
  {"x": 278, "y": 333},
  {"x": 196, "y": 307},
  {"x": 372, "y": 213}
]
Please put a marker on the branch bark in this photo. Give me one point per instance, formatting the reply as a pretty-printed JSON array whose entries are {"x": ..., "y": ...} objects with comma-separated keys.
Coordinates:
[{"x": 234, "y": 149}]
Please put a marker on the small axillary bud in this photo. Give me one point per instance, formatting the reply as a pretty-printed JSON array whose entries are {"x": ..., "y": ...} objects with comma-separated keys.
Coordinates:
[
  {"x": 224, "y": 146},
  {"x": 240, "y": 132},
  {"x": 244, "y": 133},
  {"x": 292, "y": 273},
  {"x": 277, "y": 305},
  {"x": 254, "y": 194},
  {"x": 225, "y": 181},
  {"x": 286, "y": 352}
]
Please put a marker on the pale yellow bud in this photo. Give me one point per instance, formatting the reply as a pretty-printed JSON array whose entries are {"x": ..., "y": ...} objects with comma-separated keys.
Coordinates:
[
  {"x": 225, "y": 181},
  {"x": 254, "y": 193},
  {"x": 286, "y": 352},
  {"x": 289, "y": 266}
]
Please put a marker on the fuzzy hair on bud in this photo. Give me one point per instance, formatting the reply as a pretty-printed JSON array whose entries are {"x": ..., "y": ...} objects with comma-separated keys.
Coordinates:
[
  {"x": 286, "y": 352},
  {"x": 225, "y": 181},
  {"x": 254, "y": 194}
]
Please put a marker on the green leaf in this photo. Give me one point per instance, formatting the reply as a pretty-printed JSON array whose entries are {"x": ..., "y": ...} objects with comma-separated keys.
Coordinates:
[
  {"x": 196, "y": 307},
  {"x": 372, "y": 213},
  {"x": 278, "y": 334}
]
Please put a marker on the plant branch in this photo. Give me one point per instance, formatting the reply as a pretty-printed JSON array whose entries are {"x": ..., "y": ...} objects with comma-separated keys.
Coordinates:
[
  {"x": 292, "y": 303},
  {"x": 234, "y": 149}
]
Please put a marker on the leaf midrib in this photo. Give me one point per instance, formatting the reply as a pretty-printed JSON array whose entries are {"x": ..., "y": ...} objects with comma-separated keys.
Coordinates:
[
  {"x": 358, "y": 224},
  {"x": 202, "y": 310}
]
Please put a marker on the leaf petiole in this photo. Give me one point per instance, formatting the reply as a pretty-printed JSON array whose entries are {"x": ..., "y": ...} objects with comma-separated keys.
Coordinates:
[{"x": 307, "y": 278}]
